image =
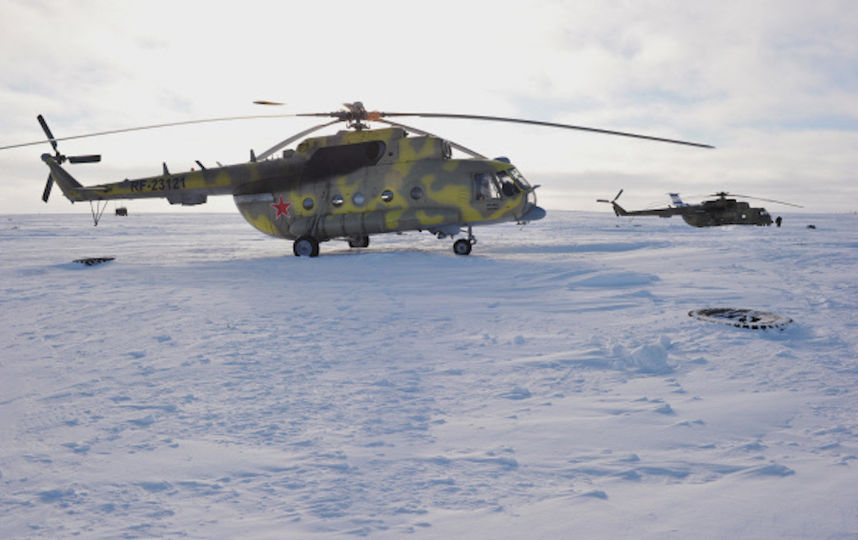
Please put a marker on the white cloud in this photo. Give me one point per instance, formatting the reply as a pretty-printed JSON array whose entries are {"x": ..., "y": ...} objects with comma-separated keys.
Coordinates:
[{"x": 772, "y": 84}]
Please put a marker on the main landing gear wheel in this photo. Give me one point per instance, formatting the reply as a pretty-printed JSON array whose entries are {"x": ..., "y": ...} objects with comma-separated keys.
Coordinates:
[
  {"x": 462, "y": 247},
  {"x": 306, "y": 246},
  {"x": 359, "y": 242}
]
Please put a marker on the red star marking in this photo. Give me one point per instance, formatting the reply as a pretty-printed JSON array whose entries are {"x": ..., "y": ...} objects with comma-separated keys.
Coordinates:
[{"x": 282, "y": 208}]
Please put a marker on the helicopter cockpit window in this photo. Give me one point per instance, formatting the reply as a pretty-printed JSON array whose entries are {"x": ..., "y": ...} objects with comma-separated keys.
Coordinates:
[
  {"x": 485, "y": 186},
  {"x": 519, "y": 179},
  {"x": 508, "y": 187}
]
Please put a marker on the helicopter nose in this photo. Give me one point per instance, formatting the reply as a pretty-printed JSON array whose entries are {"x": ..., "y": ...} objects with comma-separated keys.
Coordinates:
[{"x": 534, "y": 214}]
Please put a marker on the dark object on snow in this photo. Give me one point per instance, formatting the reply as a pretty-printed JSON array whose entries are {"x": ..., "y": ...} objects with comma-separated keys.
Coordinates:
[
  {"x": 92, "y": 261},
  {"x": 811, "y": 226},
  {"x": 778, "y": 221},
  {"x": 742, "y": 318},
  {"x": 712, "y": 213},
  {"x": 121, "y": 211}
]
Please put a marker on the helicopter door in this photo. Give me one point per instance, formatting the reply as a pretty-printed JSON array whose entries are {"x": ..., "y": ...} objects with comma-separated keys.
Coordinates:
[{"x": 487, "y": 193}]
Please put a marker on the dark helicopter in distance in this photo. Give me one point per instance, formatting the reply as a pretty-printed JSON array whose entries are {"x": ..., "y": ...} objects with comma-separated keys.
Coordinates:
[{"x": 712, "y": 213}]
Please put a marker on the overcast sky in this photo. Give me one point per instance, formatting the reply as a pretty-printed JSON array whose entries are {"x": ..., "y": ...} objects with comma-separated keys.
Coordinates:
[{"x": 772, "y": 84}]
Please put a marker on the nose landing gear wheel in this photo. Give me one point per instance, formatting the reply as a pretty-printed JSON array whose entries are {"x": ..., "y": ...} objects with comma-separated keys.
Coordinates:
[
  {"x": 306, "y": 246},
  {"x": 462, "y": 247}
]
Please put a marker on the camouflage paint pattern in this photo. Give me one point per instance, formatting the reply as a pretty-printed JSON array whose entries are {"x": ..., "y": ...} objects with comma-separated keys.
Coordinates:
[{"x": 414, "y": 185}]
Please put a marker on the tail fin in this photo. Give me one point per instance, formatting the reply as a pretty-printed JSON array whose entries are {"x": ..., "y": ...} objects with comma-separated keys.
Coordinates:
[
  {"x": 57, "y": 160},
  {"x": 69, "y": 186},
  {"x": 619, "y": 210},
  {"x": 676, "y": 200}
]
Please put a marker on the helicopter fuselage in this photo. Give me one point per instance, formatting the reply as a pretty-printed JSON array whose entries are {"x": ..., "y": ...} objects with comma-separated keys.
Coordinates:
[
  {"x": 349, "y": 185},
  {"x": 380, "y": 181},
  {"x": 723, "y": 211}
]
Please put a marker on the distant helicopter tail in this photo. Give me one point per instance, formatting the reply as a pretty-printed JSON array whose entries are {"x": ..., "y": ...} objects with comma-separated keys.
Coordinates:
[
  {"x": 676, "y": 200},
  {"x": 618, "y": 210}
]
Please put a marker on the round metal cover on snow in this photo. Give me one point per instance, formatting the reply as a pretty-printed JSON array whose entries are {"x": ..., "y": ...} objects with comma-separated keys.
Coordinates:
[
  {"x": 741, "y": 318},
  {"x": 92, "y": 261}
]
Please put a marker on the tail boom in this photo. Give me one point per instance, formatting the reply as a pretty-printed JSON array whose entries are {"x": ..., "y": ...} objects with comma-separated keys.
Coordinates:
[{"x": 187, "y": 188}]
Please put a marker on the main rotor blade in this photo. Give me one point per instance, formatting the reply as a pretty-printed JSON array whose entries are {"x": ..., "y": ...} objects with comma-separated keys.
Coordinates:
[
  {"x": 351, "y": 116},
  {"x": 152, "y": 126},
  {"x": 457, "y": 146},
  {"x": 47, "y": 131},
  {"x": 767, "y": 200},
  {"x": 547, "y": 124}
]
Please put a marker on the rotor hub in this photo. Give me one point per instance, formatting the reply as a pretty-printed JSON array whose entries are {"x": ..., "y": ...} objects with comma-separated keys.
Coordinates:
[{"x": 355, "y": 114}]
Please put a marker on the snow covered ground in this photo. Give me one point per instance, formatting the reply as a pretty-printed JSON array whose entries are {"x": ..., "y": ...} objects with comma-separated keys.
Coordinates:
[{"x": 208, "y": 384}]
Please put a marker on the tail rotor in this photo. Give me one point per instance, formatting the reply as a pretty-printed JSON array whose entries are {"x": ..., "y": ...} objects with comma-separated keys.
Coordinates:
[
  {"x": 612, "y": 202},
  {"x": 87, "y": 158}
]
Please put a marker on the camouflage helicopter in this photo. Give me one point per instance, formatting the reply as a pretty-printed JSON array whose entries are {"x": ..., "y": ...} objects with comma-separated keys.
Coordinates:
[
  {"x": 351, "y": 185},
  {"x": 713, "y": 213}
]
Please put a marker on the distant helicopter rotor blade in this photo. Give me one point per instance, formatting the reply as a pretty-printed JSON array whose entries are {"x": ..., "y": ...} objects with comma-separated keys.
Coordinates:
[
  {"x": 611, "y": 201},
  {"x": 546, "y": 124},
  {"x": 762, "y": 199}
]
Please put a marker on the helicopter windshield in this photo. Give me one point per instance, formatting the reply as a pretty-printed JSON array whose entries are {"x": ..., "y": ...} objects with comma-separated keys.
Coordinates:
[
  {"x": 522, "y": 184},
  {"x": 500, "y": 184},
  {"x": 507, "y": 184},
  {"x": 519, "y": 179}
]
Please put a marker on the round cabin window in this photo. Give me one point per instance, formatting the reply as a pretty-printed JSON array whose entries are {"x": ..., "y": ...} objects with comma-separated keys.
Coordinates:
[
  {"x": 386, "y": 195},
  {"x": 309, "y": 203},
  {"x": 337, "y": 201},
  {"x": 358, "y": 199},
  {"x": 417, "y": 193}
]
